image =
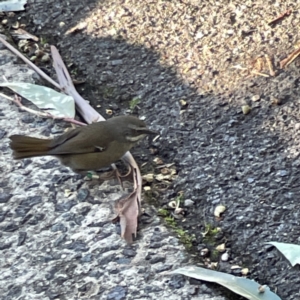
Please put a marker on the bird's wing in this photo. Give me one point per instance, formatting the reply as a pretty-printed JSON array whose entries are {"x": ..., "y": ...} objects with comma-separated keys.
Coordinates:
[{"x": 78, "y": 141}]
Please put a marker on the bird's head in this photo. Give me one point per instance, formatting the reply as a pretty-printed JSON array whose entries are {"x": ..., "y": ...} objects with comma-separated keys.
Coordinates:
[{"x": 130, "y": 128}]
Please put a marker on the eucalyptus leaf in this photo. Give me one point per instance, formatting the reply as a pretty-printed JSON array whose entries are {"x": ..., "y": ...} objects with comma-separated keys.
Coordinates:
[
  {"x": 290, "y": 251},
  {"x": 242, "y": 286},
  {"x": 12, "y": 5},
  {"x": 57, "y": 104}
]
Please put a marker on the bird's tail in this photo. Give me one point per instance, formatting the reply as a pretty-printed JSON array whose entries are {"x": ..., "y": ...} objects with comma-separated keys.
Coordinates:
[{"x": 26, "y": 146}]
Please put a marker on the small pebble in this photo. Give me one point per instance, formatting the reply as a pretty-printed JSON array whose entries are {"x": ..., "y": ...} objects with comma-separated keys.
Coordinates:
[
  {"x": 225, "y": 256},
  {"x": 246, "y": 109},
  {"x": 219, "y": 210},
  {"x": 117, "y": 62},
  {"x": 245, "y": 271},
  {"x": 282, "y": 173},
  {"x": 188, "y": 203},
  {"x": 255, "y": 98}
]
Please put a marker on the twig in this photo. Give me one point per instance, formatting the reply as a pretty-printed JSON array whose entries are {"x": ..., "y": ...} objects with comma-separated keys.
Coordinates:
[
  {"x": 270, "y": 65},
  {"x": 89, "y": 114},
  {"x": 238, "y": 67},
  {"x": 70, "y": 120},
  {"x": 284, "y": 14},
  {"x": 17, "y": 101},
  {"x": 260, "y": 74},
  {"x": 28, "y": 62},
  {"x": 20, "y": 33},
  {"x": 290, "y": 58}
]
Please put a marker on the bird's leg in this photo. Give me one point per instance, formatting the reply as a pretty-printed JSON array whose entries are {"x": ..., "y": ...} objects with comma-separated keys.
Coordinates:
[{"x": 113, "y": 174}]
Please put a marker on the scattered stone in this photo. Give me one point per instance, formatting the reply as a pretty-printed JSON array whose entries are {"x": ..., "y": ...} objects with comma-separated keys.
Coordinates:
[
  {"x": 4, "y": 197},
  {"x": 2, "y": 133},
  {"x": 282, "y": 173},
  {"x": 188, "y": 203},
  {"x": 177, "y": 281},
  {"x": 255, "y": 98},
  {"x": 82, "y": 194},
  {"x": 156, "y": 259},
  {"x": 221, "y": 247},
  {"x": 117, "y": 293},
  {"x": 246, "y": 109},
  {"x": 225, "y": 256},
  {"x": 59, "y": 227},
  {"x": 21, "y": 238},
  {"x": 219, "y": 210},
  {"x": 129, "y": 252},
  {"x": 116, "y": 62}
]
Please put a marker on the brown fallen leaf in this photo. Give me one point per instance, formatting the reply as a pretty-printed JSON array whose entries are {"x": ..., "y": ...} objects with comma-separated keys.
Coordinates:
[
  {"x": 77, "y": 82},
  {"x": 78, "y": 27},
  {"x": 128, "y": 210},
  {"x": 22, "y": 34}
]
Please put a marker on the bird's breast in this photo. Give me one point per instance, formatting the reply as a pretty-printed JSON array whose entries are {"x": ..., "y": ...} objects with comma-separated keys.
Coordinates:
[{"x": 95, "y": 160}]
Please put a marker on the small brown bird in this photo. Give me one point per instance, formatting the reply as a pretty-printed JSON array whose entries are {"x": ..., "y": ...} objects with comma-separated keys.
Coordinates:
[{"x": 86, "y": 148}]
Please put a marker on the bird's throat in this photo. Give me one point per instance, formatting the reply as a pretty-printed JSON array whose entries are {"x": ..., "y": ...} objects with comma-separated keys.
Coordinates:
[{"x": 135, "y": 139}]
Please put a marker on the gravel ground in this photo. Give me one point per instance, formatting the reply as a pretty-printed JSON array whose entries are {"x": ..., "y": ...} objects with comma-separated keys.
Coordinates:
[
  {"x": 56, "y": 237},
  {"x": 193, "y": 66}
]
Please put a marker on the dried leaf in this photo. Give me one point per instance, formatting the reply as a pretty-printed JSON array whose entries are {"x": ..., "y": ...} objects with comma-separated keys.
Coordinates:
[
  {"x": 128, "y": 210},
  {"x": 22, "y": 34}
]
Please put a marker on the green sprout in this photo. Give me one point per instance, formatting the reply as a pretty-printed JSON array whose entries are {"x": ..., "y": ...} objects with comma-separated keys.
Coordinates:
[{"x": 134, "y": 102}]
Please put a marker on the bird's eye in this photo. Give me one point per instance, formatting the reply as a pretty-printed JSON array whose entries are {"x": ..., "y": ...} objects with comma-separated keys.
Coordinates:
[{"x": 128, "y": 132}]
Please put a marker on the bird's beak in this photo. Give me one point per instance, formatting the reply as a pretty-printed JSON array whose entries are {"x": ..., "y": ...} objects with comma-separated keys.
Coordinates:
[
  {"x": 143, "y": 130},
  {"x": 147, "y": 131}
]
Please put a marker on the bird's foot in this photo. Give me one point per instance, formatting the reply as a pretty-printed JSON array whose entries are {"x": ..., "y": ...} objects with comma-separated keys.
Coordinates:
[
  {"x": 111, "y": 175},
  {"x": 121, "y": 178}
]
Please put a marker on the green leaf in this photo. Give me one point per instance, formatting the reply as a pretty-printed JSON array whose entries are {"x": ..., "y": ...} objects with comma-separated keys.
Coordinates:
[
  {"x": 290, "y": 251},
  {"x": 58, "y": 105},
  {"x": 242, "y": 286}
]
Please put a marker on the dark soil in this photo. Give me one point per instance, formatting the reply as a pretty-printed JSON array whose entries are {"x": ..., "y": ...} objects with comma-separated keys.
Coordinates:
[{"x": 163, "y": 52}]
